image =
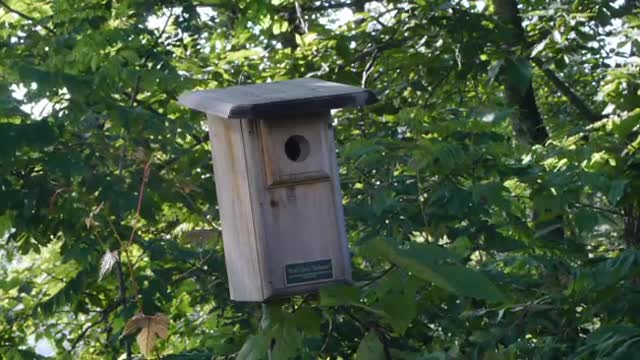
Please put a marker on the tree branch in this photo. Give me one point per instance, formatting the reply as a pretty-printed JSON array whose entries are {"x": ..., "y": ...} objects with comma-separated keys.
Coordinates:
[
  {"x": 122, "y": 287},
  {"x": 105, "y": 314},
  {"x": 594, "y": 207},
  {"x": 528, "y": 124},
  {"x": 574, "y": 99},
  {"x": 336, "y": 6},
  {"x": 25, "y": 16}
]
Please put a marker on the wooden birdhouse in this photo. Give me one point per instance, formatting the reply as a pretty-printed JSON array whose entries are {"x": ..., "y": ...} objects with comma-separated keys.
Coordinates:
[{"x": 276, "y": 175}]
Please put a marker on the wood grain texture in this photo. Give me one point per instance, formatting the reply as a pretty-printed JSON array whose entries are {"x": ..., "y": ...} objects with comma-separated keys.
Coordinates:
[
  {"x": 301, "y": 221},
  {"x": 337, "y": 198},
  {"x": 274, "y": 99},
  {"x": 242, "y": 256},
  {"x": 257, "y": 185}
]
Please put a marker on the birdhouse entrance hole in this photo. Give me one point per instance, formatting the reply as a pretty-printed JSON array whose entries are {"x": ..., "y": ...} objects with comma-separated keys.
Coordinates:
[{"x": 296, "y": 148}]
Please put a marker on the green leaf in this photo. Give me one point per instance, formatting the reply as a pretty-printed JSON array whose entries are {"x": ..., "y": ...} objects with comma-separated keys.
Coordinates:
[
  {"x": 539, "y": 47},
  {"x": 339, "y": 294},
  {"x": 494, "y": 70},
  {"x": 6, "y": 224},
  {"x": 496, "y": 241},
  {"x": 15, "y": 137},
  {"x": 279, "y": 334},
  {"x": 255, "y": 348},
  {"x": 413, "y": 252},
  {"x": 400, "y": 309},
  {"x": 68, "y": 293},
  {"x": 279, "y": 26},
  {"x": 286, "y": 340},
  {"x": 436, "y": 264},
  {"x": 585, "y": 220},
  {"x": 243, "y": 54},
  {"x": 308, "y": 320},
  {"x": 616, "y": 191},
  {"x": 468, "y": 282},
  {"x": 370, "y": 348}
]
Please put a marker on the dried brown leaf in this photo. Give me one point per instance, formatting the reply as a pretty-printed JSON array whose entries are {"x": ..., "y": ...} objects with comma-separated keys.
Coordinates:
[
  {"x": 89, "y": 221},
  {"x": 152, "y": 328}
]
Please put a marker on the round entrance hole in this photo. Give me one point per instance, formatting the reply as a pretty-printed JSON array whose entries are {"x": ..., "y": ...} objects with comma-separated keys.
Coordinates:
[{"x": 296, "y": 148}]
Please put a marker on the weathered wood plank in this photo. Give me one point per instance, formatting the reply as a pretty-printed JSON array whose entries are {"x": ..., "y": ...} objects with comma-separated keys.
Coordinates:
[
  {"x": 256, "y": 175},
  {"x": 343, "y": 243},
  {"x": 242, "y": 256}
]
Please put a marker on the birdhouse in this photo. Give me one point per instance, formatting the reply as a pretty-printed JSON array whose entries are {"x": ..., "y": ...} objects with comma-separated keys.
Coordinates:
[{"x": 276, "y": 174}]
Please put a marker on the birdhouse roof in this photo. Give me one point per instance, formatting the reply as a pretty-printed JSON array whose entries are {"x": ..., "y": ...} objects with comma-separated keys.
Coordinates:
[{"x": 262, "y": 100}]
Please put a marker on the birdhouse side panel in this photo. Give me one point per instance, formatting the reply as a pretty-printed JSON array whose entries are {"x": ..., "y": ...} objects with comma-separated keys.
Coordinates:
[
  {"x": 337, "y": 198},
  {"x": 256, "y": 180},
  {"x": 243, "y": 260}
]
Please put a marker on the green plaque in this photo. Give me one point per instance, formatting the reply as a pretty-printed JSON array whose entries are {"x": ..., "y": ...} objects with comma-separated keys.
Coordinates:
[{"x": 308, "y": 272}]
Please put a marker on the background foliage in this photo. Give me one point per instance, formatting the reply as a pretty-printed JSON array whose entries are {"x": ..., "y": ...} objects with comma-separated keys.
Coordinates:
[{"x": 492, "y": 196}]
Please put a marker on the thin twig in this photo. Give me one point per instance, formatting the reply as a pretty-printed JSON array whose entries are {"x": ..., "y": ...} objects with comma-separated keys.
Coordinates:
[
  {"x": 54, "y": 197},
  {"x": 610, "y": 211},
  {"x": 25, "y": 16},
  {"x": 134, "y": 226},
  {"x": 326, "y": 340},
  {"x": 134, "y": 283},
  {"x": 122, "y": 284},
  {"x": 167, "y": 164},
  {"x": 105, "y": 314},
  {"x": 360, "y": 324},
  {"x": 147, "y": 57},
  {"x": 333, "y": 6},
  {"x": 136, "y": 88},
  {"x": 194, "y": 267},
  {"x": 145, "y": 179},
  {"x": 385, "y": 345},
  {"x": 385, "y": 272}
]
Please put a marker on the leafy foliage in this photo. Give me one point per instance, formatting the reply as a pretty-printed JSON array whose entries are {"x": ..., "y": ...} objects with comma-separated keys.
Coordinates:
[{"x": 491, "y": 196}]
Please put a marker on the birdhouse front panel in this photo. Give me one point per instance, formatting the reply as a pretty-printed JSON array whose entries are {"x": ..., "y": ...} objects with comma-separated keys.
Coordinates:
[{"x": 301, "y": 204}]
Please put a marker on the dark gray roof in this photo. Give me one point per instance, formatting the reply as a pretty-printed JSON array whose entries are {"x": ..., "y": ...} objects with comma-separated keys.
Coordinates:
[{"x": 292, "y": 96}]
